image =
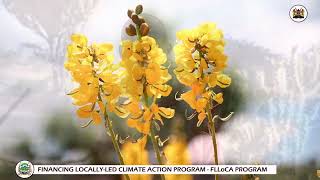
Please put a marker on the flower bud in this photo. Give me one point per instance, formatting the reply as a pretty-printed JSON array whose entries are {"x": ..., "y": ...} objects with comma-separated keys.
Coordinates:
[
  {"x": 139, "y": 9},
  {"x": 144, "y": 29},
  {"x": 135, "y": 18},
  {"x": 130, "y": 12},
  {"x": 131, "y": 30},
  {"x": 141, "y": 20}
]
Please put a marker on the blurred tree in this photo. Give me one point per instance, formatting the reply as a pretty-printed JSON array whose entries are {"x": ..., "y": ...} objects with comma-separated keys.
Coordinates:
[{"x": 53, "y": 21}]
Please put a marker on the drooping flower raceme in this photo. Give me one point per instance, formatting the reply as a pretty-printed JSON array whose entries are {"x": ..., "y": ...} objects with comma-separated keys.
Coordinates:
[
  {"x": 200, "y": 61},
  {"x": 145, "y": 82},
  {"x": 92, "y": 68}
]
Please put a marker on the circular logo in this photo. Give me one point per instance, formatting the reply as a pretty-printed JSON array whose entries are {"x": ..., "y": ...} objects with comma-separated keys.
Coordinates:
[
  {"x": 24, "y": 169},
  {"x": 298, "y": 13}
]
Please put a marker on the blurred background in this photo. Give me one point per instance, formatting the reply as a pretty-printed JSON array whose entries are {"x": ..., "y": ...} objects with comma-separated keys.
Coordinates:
[{"x": 273, "y": 61}]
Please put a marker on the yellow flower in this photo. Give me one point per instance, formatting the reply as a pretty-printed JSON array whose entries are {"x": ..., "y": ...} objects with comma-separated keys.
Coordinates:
[
  {"x": 145, "y": 78},
  {"x": 86, "y": 93},
  {"x": 218, "y": 58},
  {"x": 79, "y": 39},
  {"x": 153, "y": 73},
  {"x": 140, "y": 117},
  {"x": 102, "y": 53},
  {"x": 143, "y": 61},
  {"x": 159, "y": 112},
  {"x": 185, "y": 77},
  {"x": 198, "y": 99},
  {"x": 98, "y": 79},
  {"x": 88, "y": 112},
  {"x": 223, "y": 80},
  {"x": 139, "y": 124},
  {"x": 218, "y": 98},
  {"x": 135, "y": 154},
  {"x": 200, "y": 61},
  {"x": 202, "y": 49},
  {"x": 177, "y": 153}
]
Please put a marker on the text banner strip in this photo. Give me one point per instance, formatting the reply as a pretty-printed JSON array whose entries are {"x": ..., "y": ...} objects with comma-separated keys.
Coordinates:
[{"x": 155, "y": 169}]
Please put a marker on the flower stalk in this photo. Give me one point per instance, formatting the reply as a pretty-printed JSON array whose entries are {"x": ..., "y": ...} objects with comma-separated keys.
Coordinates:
[
  {"x": 152, "y": 136},
  {"x": 109, "y": 128},
  {"x": 212, "y": 131},
  {"x": 146, "y": 80},
  {"x": 200, "y": 60},
  {"x": 156, "y": 148}
]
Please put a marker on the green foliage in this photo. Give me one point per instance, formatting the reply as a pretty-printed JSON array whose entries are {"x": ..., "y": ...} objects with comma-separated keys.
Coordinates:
[
  {"x": 234, "y": 96},
  {"x": 68, "y": 134},
  {"x": 24, "y": 149}
]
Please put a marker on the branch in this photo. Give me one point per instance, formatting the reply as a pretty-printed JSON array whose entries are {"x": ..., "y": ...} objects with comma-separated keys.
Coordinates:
[{"x": 14, "y": 105}]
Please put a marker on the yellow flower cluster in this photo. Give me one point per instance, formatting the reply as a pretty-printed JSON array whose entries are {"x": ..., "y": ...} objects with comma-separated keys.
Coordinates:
[
  {"x": 131, "y": 88},
  {"x": 92, "y": 68},
  {"x": 200, "y": 61},
  {"x": 176, "y": 146},
  {"x": 136, "y": 154},
  {"x": 141, "y": 76},
  {"x": 177, "y": 153},
  {"x": 145, "y": 79}
]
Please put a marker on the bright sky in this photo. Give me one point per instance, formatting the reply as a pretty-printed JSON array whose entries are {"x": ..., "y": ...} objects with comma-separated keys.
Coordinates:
[{"x": 265, "y": 23}]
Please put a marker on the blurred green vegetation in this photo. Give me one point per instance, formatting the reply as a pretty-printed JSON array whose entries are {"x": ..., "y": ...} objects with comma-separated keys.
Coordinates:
[
  {"x": 234, "y": 96},
  {"x": 66, "y": 134}
]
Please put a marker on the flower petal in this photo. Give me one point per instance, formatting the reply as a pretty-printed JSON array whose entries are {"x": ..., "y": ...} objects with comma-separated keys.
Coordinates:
[
  {"x": 85, "y": 111},
  {"x": 223, "y": 80},
  {"x": 96, "y": 117},
  {"x": 166, "y": 112},
  {"x": 218, "y": 98}
]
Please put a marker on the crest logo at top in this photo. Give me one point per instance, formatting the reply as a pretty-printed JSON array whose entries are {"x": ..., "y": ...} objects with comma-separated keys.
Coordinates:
[{"x": 298, "y": 13}]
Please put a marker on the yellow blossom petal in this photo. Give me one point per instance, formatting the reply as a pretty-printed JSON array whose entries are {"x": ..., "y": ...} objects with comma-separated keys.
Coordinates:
[
  {"x": 119, "y": 111},
  {"x": 136, "y": 154},
  {"x": 85, "y": 111},
  {"x": 218, "y": 98},
  {"x": 201, "y": 104},
  {"x": 137, "y": 72},
  {"x": 223, "y": 80},
  {"x": 96, "y": 117},
  {"x": 166, "y": 112},
  {"x": 137, "y": 57},
  {"x": 79, "y": 39},
  {"x": 201, "y": 117},
  {"x": 203, "y": 64},
  {"x": 159, "y": 90},
  {"x": 143, "y": 127},
  {"x": 212, "y": 80},
  {"x": 177, "y": 153},
  {"x": 189, "y": 98},
  {"x": 153, "y": 73},
  {"x": 147, "y": 115}
]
